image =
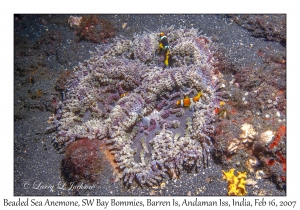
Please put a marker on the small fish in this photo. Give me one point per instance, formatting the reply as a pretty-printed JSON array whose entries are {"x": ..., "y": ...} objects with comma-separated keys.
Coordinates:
[
  {"x": 164, "y": 45},
  {"x": 124, "y": 94},
  {"x": 187, "y": 101}
]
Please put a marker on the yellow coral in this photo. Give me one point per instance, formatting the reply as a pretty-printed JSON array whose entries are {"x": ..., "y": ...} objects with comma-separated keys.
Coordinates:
[{"x": 236, "y": 184}]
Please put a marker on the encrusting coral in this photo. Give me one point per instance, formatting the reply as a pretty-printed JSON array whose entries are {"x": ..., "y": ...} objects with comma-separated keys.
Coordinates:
[
  {"x": 125, "y": 97},
  {"x": 236, "y": 184}
]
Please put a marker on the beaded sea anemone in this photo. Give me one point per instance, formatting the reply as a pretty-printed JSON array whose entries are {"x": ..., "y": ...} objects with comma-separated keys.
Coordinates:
[{"x": 125, "y": 97}]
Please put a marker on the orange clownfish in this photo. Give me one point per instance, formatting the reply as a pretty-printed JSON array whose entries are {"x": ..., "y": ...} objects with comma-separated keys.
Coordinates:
[
  {"x": 164, "y": 45},
  {"x": 187, "y": 101},
  {"x": 124, "y": 94}
]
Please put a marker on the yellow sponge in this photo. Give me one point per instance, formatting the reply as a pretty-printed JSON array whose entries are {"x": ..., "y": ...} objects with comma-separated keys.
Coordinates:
[{"x": 236, "y": 184}]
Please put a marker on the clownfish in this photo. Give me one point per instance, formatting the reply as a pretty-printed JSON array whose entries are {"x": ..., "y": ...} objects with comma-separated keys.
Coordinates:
[
  {"x": 164, "y": 45},
  {"x": 124, "y": 94},
  {"x": 187, "y": 101}
]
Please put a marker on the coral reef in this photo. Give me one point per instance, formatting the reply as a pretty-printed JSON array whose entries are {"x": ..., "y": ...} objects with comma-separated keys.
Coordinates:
[
  {"x": 125, "y": 98},
  {"x": 275, "y": 161},
  {"x": 236, "y": 184},
  {"x": 250, "y": 128}
]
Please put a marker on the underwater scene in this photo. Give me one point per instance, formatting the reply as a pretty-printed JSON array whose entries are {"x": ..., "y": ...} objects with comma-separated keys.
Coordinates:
[{"x": 150, "y": 105}]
